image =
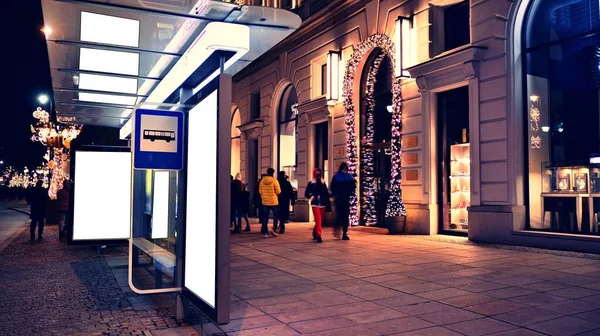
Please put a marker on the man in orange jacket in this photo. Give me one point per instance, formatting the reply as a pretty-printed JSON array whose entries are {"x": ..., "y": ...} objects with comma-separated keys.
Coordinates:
[{"x": 269, "y": 189}]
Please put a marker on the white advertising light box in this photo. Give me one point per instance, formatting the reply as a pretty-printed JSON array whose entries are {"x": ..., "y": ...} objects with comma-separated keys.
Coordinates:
[{"x": 101, "y": 195}]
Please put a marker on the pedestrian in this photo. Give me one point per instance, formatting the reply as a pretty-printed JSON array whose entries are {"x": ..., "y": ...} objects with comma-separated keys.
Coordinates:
[
  {"x": 317, "y": 193},
  {"x": 236, "y": 191},
  {"x": 285, "y": 198},
  {"x": 343, "y": 187},
  {"x": 257, "y": 199},
  {"x": 39, "y": 201},
  {"x": 63, "y": 208},
  {"x": 269, "y": 189},
  {"x": 243, "y": 205}
]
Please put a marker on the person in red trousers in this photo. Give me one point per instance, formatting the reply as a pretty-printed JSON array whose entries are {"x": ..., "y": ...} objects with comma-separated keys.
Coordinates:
[{"x": 317, "y": 193}]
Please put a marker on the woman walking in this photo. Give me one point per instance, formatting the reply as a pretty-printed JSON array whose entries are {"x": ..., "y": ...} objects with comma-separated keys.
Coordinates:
[{"x": 316, "y": 192}]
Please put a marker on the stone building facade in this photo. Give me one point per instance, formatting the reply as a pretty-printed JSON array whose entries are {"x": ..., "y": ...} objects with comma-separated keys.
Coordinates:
[{"x": 462, "y": 102}]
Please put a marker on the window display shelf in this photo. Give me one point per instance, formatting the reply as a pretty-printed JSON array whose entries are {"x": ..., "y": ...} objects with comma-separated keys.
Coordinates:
[{"x": 460, "y": 185}]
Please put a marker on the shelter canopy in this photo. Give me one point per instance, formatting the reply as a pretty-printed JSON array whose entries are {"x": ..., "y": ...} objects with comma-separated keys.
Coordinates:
[{"x": 107, "y": 56}]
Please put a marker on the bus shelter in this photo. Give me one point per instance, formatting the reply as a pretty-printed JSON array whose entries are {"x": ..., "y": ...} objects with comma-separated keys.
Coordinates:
[{"x": 160, "y": 71}]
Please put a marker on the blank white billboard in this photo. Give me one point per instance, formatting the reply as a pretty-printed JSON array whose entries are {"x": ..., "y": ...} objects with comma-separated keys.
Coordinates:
[
  {"x": 102, "y": 206},
  {"x": 160, "y": 205},
  {"x": 201, "y": 208}
]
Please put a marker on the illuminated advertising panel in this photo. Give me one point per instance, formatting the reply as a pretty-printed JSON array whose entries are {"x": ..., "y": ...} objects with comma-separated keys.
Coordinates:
[{"x": 101, "y": 195}]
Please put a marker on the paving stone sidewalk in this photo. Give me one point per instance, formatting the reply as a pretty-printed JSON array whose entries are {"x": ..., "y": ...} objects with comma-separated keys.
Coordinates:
[
  {"x": 375, "y": 284},
  {"x": 48, "y": 288},
  {"x": 378, "y": 284}
]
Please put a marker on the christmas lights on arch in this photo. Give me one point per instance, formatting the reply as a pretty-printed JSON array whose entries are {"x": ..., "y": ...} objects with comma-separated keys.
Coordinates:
[
  {"x": 395, "y": 206},
  {"x": 367, "y": 163}
]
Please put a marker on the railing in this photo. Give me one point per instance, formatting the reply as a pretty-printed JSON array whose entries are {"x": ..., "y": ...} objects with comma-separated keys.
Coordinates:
[{"x": 304, "y": 8}]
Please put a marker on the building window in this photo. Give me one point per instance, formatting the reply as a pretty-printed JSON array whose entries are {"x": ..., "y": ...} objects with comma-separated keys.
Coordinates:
[
  {"x": 287, "y": 135},
  {"x": 457, "y": 30},
  {"x": 324, "y": 79},
  {"x": 255, "y": 105},
  {"x": 451, "y": 26},
  {"x": 561, "y": 64}
]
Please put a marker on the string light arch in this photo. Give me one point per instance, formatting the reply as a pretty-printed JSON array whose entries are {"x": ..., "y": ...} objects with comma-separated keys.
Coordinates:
[{"x": 395, "y": 206}]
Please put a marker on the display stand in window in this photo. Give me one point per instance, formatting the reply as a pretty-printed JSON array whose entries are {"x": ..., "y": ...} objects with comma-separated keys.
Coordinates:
[
  {"x": 460, "y": 184},
  {"x": 565, "y": 191}
]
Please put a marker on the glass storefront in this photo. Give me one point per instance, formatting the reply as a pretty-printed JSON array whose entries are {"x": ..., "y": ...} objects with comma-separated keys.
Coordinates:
[
  {"x": 288, "y": 128},
  {"x": 454, "y": 166},
  {"x": 235, "y": 143},
  {"x": 561, "y": 62}
]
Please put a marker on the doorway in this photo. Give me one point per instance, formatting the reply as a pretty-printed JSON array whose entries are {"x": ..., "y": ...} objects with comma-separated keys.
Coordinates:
[
  {"x": 375, "y": 135},
  {"x": 252, "y": 175},
  {"x": 321, "y": 152},
  {"x": 454, "y": 181}
]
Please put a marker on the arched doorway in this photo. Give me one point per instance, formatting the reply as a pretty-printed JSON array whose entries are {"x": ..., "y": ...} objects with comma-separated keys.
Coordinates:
[
  {"x": 395, "y": 205},
  {"x": 376, "y": 135},
  {"x": 236, "y": 121},
  {"x": 287, "y": 121}
]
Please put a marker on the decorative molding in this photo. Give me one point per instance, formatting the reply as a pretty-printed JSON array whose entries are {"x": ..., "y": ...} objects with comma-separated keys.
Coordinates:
[
  {"x": 315, "y": 111},
  {"x": 458, "y": 65},
  {"x": 252, "y": 130}
]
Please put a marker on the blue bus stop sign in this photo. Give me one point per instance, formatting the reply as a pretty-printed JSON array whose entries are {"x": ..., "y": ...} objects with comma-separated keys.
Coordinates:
[{"x": 158, "y": 139}]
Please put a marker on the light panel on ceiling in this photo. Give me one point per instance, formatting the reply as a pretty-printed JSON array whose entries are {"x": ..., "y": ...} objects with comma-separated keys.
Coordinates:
[
  {"x": 107, "y": 98},
  {"x": 107, "y": 83},
  {"x": 107, "y": 29},
  {"x": 120, "y": 62}
]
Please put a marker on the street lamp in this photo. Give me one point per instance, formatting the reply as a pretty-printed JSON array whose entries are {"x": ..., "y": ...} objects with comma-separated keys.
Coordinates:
[{"x": 43, "y": 99}]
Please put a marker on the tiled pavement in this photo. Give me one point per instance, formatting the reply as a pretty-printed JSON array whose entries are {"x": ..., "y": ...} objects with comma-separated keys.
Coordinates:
[
  {"x": 374, "y": 284},
  {"x": 378, "y": 284}
]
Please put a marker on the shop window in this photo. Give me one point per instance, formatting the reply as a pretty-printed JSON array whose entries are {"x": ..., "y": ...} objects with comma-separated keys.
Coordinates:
[
  {"x": 235, "y": 143},
  {"x": 255, "y": 105},
  {"x": 562, "y": 115},
  {"x": 287, "y": 135}
]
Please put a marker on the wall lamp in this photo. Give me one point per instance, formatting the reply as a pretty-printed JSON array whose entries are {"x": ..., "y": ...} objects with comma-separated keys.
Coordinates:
[
  {"x": 333, "y": 75},
  {"x": 403, "y": 41}
]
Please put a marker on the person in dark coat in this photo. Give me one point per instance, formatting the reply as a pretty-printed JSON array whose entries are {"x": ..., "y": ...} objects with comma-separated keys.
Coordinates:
[
  {"x": 39, "y": 201},
  {"x": 243, "y": 205},
  {"x": 343, "y": 187},
  {"x": 285, "y": 198},
  {"x": 317, "y": 193},
  {"x": 63, "y": 209},
  {"x": 236, "y": 191},
  {"x": 258, "y": 200}
]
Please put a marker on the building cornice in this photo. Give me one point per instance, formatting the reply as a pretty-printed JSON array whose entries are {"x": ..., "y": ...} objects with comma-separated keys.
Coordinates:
[
  {"x": 337, "y": 11},
  {"x": 461, "y": 64},
  {"x": 252, "y": 129}
]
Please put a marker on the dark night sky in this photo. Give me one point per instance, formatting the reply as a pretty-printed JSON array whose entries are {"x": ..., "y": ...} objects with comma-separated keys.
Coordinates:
[{"x": 25, "y": 60}]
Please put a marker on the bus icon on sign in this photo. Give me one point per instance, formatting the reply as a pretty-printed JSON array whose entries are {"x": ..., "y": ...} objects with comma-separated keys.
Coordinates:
[{"x": 153, "y": 135}]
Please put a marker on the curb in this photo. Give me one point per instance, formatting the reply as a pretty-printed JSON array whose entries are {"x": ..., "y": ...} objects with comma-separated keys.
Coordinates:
[
  {"x": 16, "y": 233},
  {"x": 20, "y": 210}
]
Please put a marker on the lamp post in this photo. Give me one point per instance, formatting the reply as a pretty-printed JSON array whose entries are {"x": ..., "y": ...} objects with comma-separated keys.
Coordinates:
[{"x": 43, "y": 99}]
